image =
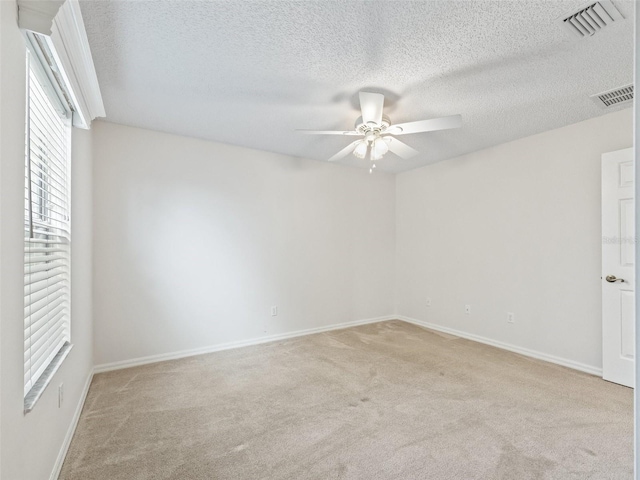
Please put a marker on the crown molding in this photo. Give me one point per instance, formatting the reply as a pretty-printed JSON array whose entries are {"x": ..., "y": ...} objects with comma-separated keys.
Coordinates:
[
  {"x": 37, "y": 15},
  {"x": 70, "y": 43}
]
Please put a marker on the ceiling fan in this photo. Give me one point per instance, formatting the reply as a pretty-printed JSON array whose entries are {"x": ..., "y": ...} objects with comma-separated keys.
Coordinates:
[{"x": 379, "y": 133}]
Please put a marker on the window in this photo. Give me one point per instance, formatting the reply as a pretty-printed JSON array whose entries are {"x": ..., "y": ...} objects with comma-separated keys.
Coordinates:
[{"x": 47, "y": 227}]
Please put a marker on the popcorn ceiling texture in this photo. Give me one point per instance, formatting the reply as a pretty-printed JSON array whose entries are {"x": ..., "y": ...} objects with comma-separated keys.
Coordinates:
[{"x": 251, "y": 72}]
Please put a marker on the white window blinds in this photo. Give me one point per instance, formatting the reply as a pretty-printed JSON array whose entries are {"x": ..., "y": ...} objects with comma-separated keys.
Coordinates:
[{"x": 46, "y": 221}]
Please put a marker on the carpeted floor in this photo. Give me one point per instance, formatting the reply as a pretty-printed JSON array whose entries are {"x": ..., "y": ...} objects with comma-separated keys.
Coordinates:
[{"x": 382, "y": 401}]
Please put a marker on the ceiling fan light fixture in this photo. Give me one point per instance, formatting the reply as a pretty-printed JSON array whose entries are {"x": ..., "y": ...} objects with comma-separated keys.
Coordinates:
[
  {"x": 378, "y": 149},
  {"x": 361, "y": 149}
]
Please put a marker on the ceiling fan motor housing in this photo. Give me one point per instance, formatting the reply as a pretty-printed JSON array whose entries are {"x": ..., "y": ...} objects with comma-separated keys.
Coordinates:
[{"x": 365, "y": 128}]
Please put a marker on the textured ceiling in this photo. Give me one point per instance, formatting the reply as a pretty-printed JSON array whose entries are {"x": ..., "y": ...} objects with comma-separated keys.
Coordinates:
[{"x": 249, "y": 73}]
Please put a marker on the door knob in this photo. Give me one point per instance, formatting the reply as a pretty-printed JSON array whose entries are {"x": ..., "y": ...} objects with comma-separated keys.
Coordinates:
[{"x": 613, "y": 279}]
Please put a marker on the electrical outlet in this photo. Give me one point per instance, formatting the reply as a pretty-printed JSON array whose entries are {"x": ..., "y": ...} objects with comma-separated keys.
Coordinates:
[
  {"x": 428, "y": 302},
  {"x": 274, "y": 311},
  {"x": 467, "y": 309},
  {"x": 510, "y": 317},
  {"x": 60, "y": 395}
]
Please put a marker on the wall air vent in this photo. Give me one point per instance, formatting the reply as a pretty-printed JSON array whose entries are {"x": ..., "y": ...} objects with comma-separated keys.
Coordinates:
[
  {"x": 591, "y": 18},
  {"x": 613, "y": 97}
]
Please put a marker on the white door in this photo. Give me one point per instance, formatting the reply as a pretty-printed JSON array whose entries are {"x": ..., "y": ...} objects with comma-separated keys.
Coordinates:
[{"x": 618, "y": 258}]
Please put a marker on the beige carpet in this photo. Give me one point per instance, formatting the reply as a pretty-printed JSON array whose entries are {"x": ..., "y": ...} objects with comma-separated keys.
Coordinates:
[{"x": 382, "y": 401}]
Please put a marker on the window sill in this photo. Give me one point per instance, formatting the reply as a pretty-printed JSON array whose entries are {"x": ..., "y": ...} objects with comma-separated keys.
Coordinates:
[{"x": 38, "y": 388}]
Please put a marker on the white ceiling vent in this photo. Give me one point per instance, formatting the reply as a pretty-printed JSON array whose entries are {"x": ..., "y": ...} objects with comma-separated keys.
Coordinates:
[
  {"x": 591, "y": 18},
  {"x": 613, "y": 97}
]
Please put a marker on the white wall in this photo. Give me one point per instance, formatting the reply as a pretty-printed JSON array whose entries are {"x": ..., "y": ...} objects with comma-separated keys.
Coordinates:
[
  {"x": 195, "y": 241},
  {"x": 513, "y": 228},
  {"x": 42, "y": 431}
]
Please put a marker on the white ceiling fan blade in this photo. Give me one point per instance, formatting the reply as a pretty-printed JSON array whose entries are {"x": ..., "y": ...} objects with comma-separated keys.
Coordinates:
[
  {"x": 403, "y": 150},
  {"x": 371, "y": 105},
  {"x": 433, "y": 124},
  {"x": 345, "y": 151},
  {"x": 328, "y": 132}
]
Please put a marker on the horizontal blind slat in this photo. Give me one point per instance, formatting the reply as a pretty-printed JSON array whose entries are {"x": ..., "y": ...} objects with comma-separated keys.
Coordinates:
[
  {"x": 32, "y": 250},
  {"x": 44, "y": 114},
  {"x": 43, "y": 258},
  {"x": 42, "y": 293},
  {"x": 45, "y": 266},
  {"x": 44, "y": 198},
  {"x": 58, "y": 308},
  {"x": 36, "y": 317},
  {"x": 42, "y": 229},
  {"x": 44, "y": 275},
  {"x": 43, "y": 144},
  {"x": 37, "y": 287},
  {"x": 39, "y": 304},
  {"x": 50, "y": 170},
  {"x": 50, "y": 134},
  {"x": 47, "y": 241},
  {"x": 46, "y": 191},
  {"x": 38, "y": 335},
  {"x": 41, "y": 358}
]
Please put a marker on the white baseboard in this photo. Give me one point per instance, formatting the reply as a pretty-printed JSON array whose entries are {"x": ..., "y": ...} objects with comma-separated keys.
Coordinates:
[
  {"x": 72, "y": 429},
  {"x": 506, "y": 346},
  {"x": 107, "y": 367}
]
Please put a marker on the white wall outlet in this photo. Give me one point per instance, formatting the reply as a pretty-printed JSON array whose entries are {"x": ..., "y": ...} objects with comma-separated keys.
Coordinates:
[
  {"x": 510, "y": 317},
  {"x": 274, "y": 311},
  {"x": 467, "y": 309},
  {"x": 60, "y": 395},
  {"x": 428, "y": 302}
]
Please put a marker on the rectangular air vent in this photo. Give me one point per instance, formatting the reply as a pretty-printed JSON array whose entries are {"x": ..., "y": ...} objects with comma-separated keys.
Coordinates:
[
  {"x": 614, "y": 97},
  {"x": 591, "y": 18}
]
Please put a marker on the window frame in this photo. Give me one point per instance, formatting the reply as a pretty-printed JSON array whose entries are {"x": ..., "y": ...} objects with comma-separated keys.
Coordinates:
[{"x": 40, "y": 69}]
